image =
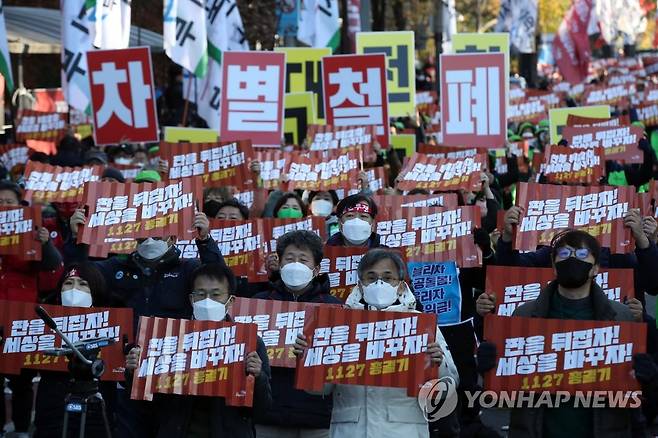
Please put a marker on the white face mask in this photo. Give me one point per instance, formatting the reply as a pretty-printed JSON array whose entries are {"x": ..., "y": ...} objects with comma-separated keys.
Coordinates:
[
  {"x": 76, "y": 298},
  {"x": 209, "y": 310},
  {"x": 152, "y": 249},
  {"x": 356, "y": 230},
  {"x": 296, "y": 276},
  {"x": 124, "y": 161},
  {"x": 321, "y": 207},
  {"x": 380, "y": 294}
]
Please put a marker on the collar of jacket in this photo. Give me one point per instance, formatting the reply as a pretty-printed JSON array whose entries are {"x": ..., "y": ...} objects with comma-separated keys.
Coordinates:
[
  {"x": 168, "y": 260},
  {"x": 603, "y": 311},
  {"x": 320, "y": 286}
]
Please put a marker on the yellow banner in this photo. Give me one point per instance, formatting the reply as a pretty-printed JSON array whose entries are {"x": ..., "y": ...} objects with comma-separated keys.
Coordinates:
[
  {"x": 405, "y": 142},
  {"x": 399, "y": 50},
  {"x": 304, "y": 73},
  {"x": 175, "y": 134},
  {"x": 558, "y": 117},
  {"x": 299, "y": 113}
]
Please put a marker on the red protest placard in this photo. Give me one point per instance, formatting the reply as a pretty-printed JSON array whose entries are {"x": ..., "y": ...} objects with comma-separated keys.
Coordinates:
[
  {"x": 549, "y": 209},
  {"x": 341, "y": 264},
  {"x": 355, "y": 92},
  {"x": 650, "y": 94},
  {"x": 583, "y": 121},
  {"x": 252, "y": 197},
  {"x": 252, "y": 97},
  {"x": 219, "y": 164},
  {"x": 130, "y": 210},
  {"x": 278, "y": 323},
  {"x": 272, "y": 166},
  {"x": 112, "y": 245},
  {"x": 39, "y": 125},
  {"x": 46, "y": 183},
  {"x": 326, "y": 137},
  {"x": 451, "y": 152},
  {"x": 513, "y": 285},
  {"x": 313, "y": 172},
  {"x": 194, "y": 358},
  {"x": 12, "y": 155},
  {"x": 552, "y": 99},
  {"x": 433, "y": 234},
  {"x": 618, "y": 143},
  {"x": 527, "y": 111},
  {"x": 563, "y": 355},
  {"x": 122, "y": 96},
  {"x": 425, "y": 172},
  {"x": 473, "y": 99},
  {"x": 648, "y": 114},
  {"x": 27, "y": 337},
  {"x": 606, "y": 95},
  {"x": 361, "y": 347},
  {"x": 563, "y": 164},
  {"x": 18, "y": 227},
  {"x": 387, "y": 203}
]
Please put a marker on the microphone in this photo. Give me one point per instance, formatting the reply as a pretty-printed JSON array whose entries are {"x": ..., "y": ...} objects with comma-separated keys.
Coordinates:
[
  {"x": 45, "y": 317},
  {"x": 41, "y": 313}
]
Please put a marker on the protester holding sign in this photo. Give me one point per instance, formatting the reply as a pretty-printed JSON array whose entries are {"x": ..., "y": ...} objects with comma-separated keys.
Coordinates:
[
  {"x": 380, "y": 411},
  {"x": 294, "y": 412},
  {"x": 356, "y": 215}
]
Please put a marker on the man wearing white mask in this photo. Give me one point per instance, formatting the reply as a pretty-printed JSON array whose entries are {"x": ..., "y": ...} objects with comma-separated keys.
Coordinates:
[
  {"x": 356, "y": 215},
  {"x": 212, "y": 293},
  {"x": 379, "y": 412},
  {"x": 295, "y": 413}
]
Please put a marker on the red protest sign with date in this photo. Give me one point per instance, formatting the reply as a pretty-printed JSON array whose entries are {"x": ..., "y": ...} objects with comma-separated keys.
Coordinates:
[
  {"x": 194, "y": 358},
  {"x": 362, "y": 347},
  {"x": 122, "y": 96},
  {"x": 18, "y": 226},
  {"x": 119, "y": 211},
  {"x": 26, "y": 336},
  {"x": 563, "y": 164},
  {"x": 219, "y": 164},
  {"x": 12, "y": 155},
  {"x": 40, "y": 125},
  {"x": 340, "y": 169},
  {"x": 513, "y": 285},
  {"x": 527, "y": 111},
  {"x": 473, "y": 100},
  {"x": 45, "y": 183},
  {"x": 252, "y": 97},
  {"x": 563, "y": 355},
  {"x": 425, "y": 172},
  {"x": 341, "y": 264},
  {"x": 550, "y": 209},
  {"x": 618, "y": 143},
  {"x": 355, "y": 92}
]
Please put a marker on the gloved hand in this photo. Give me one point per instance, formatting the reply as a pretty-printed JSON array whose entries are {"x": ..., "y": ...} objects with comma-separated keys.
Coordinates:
[
  {"x": 486, "y": 357},
  {"x": 646, "y": 370}
]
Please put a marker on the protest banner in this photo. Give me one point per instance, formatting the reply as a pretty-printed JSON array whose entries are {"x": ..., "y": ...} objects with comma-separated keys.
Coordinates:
[
  {"x": 552, "y": 99},
  {"x": 39, "y": 125},
  {"x": 278, "y": 323},
  {"x": 179, "y": 134},
  {"x": 304, "y": 73},
  {"x": 558, "y": 117},
  {"x": 18, "y": 232},
  {"x": 406, "y": 143},
  {"x": 341, "y": 264},
  {"x": 433, "y": 234},
  {"x": 12, "y": 155},
  {"x": 513, "y": 285},
  {"x": 599, "y": 122},
  {"x": 194, "y": 358},
  {"x": 252, "y": 197},
  {"x": 112, "y": 245},
  {"x": 607, "y": 95},
  {"x": 618, "y": 143},
  {"x": 650, "y": 94},
  {"x": 377, "y": 182},
  {"x": 122, "y": 95},
  {"x": 327, "y": 137},
  {"x": 527, "y": 111},
  {"x": 427, "y": 102},
  {"x": 129, "y": 171},
  {"x": 565, "y": 165},
  {"x": 272, "y": 166},
  {"x": 26, "y": 337},
  {"x": 442, "y": 174},
  {"x": 299, "y": 113},
  {"x": 387, "y": 203},
  {"x": 451, "y": 152},
  {"x": 252, "y": 97},
  {"x": 474, "y": 100},
  {"x": 563, "y": 355},
  {"x": 45, "y": 183},
  {"x": 597, "y": 210},
  {"x": 647, "y": 114},
  {"x": 399, "y": 50},
  {"x": 355, "y": 92},
  {"x": 117, "y": 211},
  {"x": 436, "y": 285},
  {"x": 314, "y": 172},
  {"x": 361, "y": 347},
  {"x": 219, "y": 164}
]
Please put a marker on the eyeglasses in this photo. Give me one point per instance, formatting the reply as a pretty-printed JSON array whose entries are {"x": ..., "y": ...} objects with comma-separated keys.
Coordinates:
[
  {"x": 215, "y": 294},
  {"x": 579, "y": 253},
  {"x": 390, "y": 279}
]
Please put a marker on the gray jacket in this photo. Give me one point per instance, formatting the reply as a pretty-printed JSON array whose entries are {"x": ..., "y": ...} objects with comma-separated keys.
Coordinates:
[{"x": 608, "y": 422}]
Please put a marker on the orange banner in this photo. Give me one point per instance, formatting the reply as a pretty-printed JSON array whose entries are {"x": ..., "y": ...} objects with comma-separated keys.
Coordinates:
[{"x": 18, "y": 227}]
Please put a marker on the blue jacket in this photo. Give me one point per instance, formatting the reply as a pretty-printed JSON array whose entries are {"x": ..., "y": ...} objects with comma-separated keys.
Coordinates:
[
  {"x": 644, "y": 262},
  {"x": 292, "y": 407}
]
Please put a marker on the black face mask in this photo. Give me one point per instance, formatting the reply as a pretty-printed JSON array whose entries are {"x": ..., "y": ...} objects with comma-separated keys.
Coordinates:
[{"x": 572, "y": 272}]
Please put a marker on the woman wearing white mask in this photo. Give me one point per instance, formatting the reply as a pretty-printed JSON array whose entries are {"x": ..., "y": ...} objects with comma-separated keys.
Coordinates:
[
  {"x": 356, "y": 216},
  {"x": 296, "y": 413},
  {"x": 82, "y": 285},
  {"x": 380, "y": 412},
  {"x": 323, "y": 204}
]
